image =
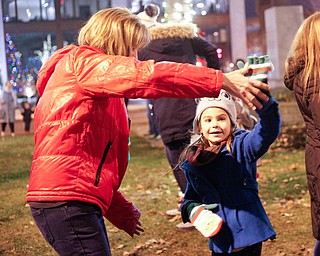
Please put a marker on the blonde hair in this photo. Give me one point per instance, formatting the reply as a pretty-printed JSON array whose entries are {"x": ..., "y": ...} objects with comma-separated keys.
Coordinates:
[
  {"x": 305, "y": 50},
  {"x": 115, "y": 31}
]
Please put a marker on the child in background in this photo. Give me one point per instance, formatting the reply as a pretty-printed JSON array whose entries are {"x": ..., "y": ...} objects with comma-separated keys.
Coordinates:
[
  {"x": 245, "y": 119},
  {"x": 27, "y": 116}
]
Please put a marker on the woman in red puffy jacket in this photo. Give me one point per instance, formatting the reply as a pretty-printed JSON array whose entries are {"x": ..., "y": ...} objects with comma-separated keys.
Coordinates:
[{"x": 82, "y": 129}]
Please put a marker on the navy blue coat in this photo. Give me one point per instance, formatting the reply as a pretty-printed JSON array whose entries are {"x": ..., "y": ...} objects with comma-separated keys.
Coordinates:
[{"x": 230, "y": 181}]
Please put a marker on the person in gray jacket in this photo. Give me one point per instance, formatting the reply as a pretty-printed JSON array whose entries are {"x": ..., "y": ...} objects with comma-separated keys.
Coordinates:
[{"x": 8, "y": 105}]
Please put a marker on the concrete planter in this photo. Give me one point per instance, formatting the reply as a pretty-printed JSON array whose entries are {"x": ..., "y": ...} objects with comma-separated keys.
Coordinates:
[{"x": 290, "y": 113}]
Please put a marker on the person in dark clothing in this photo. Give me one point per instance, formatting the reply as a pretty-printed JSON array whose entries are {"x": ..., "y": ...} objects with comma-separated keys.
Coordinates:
[
  {"x": 149, "y": 18},
  {"x": 174, "y": 117},
  {"x": 27, "y": 116}
]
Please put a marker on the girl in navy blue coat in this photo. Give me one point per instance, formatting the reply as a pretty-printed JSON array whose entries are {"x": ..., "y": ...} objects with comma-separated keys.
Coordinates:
[{"x": 221, "y": 198}]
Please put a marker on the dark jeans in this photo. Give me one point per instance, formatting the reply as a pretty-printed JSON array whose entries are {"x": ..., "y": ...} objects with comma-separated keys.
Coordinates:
[
  {"x": 152, "y": 125},
  {"x": 4, "y": 125},
  {"x": 253, "y": 250},
  {"x": 27, "y": 125},
  {"x": 73, "y": 229},
  {"x": 173, "y": 152}
]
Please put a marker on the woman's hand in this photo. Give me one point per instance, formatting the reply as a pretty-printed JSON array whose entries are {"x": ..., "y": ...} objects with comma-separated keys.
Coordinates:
[
  {"x": 251, "y": 92},
  {"x": 139, "y": 229}
]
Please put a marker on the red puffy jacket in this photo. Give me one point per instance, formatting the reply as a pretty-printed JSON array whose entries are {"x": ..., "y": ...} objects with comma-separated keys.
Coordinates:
[{"x": 81, "y": 124}]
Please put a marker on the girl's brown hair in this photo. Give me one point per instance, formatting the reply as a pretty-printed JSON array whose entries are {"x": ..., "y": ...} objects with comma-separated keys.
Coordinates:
[
  {"x": 200, "y": 140},
  {"x": 115, "y": 31},
  {"x": 305, "y": 50}
]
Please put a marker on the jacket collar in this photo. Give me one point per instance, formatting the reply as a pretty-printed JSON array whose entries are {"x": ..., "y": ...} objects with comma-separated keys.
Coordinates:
[{"x": 171, "y": 30}]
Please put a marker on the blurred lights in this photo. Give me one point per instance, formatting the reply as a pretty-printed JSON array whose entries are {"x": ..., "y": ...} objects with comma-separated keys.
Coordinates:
[
  {"x": 29, "y": 91},
  {"x": 178, "y": 7},
  {"x": 28, "y": 13},
  {"x": 219, "y": 52},
  {"x": 200, "y": 5}
]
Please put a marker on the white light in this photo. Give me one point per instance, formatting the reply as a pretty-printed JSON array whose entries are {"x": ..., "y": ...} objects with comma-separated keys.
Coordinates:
[
  {"x": 28, "y": 91},
  {"x": 176, "y": 15},
  {"x": 164, "y": 4},
  {"x": 200, "y": 5},
  {"x": 231, "y": 65},
  {"x": 51, "y": 13},
  {"x": 188, "y": 17},
  {"x": 28, "y": 13},
  {"x": 203, "y": 13},
  {"x": 178, "y": 7}
]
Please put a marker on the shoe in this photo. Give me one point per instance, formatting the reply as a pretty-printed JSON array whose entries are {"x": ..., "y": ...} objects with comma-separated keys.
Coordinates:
[
  {"x": 157, "y": 137},
  {"x": 180, "y": 201},
  {"x": 150, "y": 136},
  {"x": 2, "y": 134},
  {"x": 173, "y": 212},
  {"x": 12, "y": 134},
  {"x": 185, "y": 226}
]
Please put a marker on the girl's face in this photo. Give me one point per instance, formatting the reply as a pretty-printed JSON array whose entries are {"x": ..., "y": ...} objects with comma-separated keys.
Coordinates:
[{"x": 215, "y": 125}]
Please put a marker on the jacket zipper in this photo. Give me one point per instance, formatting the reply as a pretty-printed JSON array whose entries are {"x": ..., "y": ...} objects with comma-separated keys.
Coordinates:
[{"x": 104, "y": 157}]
